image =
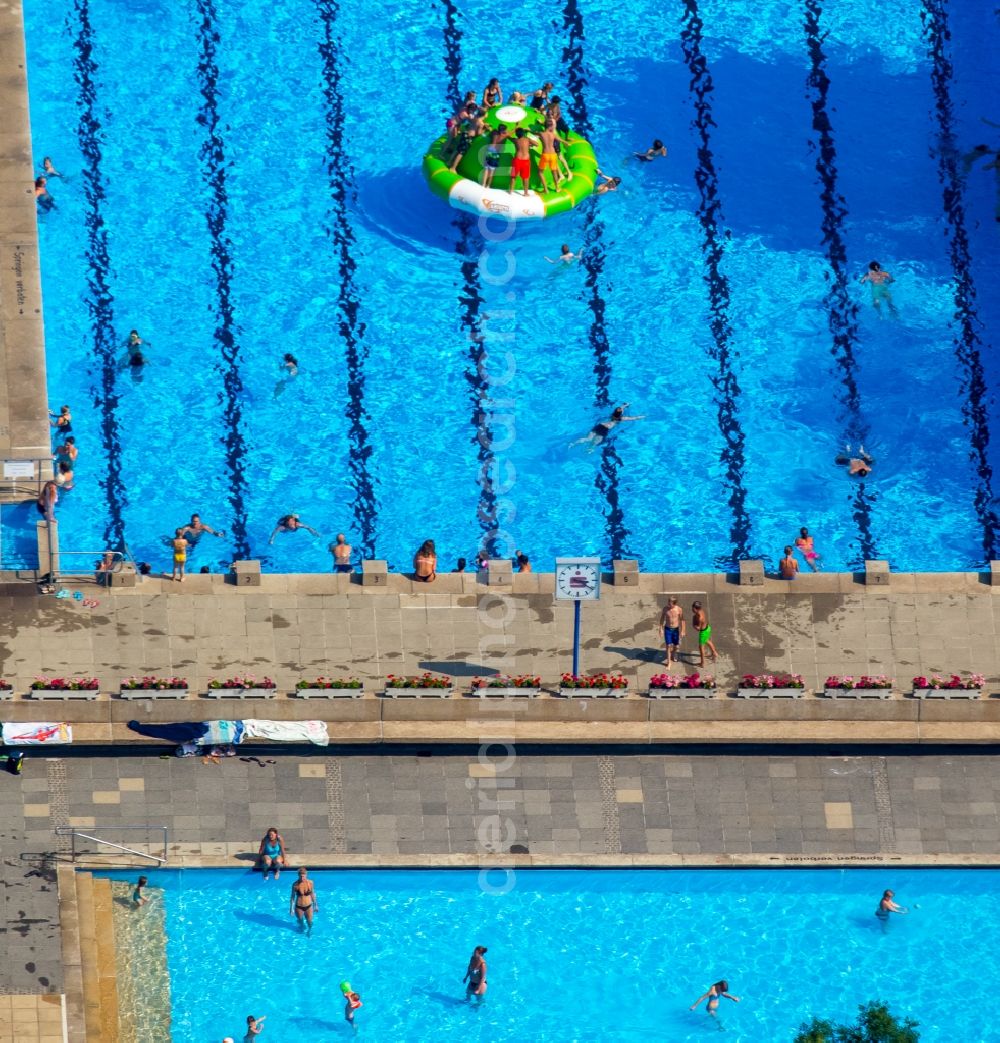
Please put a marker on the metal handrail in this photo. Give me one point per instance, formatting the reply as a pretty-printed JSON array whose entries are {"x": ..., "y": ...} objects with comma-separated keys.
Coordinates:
[{"x": 69, "y": 831}]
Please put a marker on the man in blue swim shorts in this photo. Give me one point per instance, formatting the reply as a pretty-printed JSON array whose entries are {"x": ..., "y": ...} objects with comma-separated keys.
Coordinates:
[{"x": 672, "y": 625}]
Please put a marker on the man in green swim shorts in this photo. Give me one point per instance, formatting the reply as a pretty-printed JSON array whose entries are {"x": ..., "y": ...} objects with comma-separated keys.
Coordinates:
[{"x": 699, "y": 620}]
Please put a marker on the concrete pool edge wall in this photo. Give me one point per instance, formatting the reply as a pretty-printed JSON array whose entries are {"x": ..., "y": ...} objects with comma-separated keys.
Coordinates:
[{"x": 24, "y": 428}]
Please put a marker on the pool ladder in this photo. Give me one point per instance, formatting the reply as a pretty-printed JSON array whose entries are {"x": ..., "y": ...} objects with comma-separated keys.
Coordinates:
[{"x": 72, "y": 833}]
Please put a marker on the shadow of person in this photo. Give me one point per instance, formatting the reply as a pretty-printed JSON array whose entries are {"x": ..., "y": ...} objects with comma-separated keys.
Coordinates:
[
  {"x": 317, "y": 1024},
  {"x": 125, "y": 903},
  {"x": 266, "y": 920},
  {"x": 637, "y": 655},
  {"x": 440, "y": 997}
]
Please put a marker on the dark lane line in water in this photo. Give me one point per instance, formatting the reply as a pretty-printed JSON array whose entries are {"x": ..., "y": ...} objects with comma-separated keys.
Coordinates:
[
  {"x": 214, "y": 169},
  {"x": 967, "y": 342},
  {"x": 343, "y": 195},
  {"x": 841, "y": 309},
  {"x": 101, "y": 303},
  {"x": 592, "y": 259},
  {"x": 471, "y": 301},
  {"x": 709, "y": 214}
]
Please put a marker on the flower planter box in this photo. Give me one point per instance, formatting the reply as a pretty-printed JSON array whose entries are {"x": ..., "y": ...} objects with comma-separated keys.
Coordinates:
[
  {"x": 417, "y": 693},
  {"x": 63, "y": 693},
  {"x": 6, "y": 693},
  {"x": 153, "y": 693},
  {"x": 770, "y": 693},
  {"x": 240, "y": 693},
  {"x": 592, "y": 693},
  {"x": 505, "y": 693},
  {"x": 681, "y": 693},
  {"x": 857, "y": 693},
  {"x": 328, "y": 693},
  {"x": 947, "y": 693}
]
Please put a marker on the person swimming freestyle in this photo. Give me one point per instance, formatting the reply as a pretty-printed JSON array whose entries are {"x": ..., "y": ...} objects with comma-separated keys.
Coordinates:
[{"x": 600, "y": 431}]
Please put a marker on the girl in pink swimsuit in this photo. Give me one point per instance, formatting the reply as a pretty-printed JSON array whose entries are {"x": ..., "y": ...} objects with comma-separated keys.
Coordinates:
[{"x": 805, "y": 545}]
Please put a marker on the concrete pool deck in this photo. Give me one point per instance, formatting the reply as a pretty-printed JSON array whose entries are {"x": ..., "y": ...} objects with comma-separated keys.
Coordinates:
[
  {"x": 393, "y": 810},
  {"x": 24, "y": 426},
  {"x": 295, "y": 627}
]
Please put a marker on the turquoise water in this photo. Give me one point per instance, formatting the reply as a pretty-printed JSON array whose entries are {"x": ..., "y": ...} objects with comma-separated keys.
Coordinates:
[
  {"x": 243, "y": 180},
  {"x": 577, "y": 955}
]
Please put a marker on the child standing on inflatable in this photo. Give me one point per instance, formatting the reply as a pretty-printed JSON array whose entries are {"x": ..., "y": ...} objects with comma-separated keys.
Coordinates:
[
  {"x": 352, "y": 1002},
  {"x": 491, "y": 158},
  {"x": 548, "y": 160},
  {"x": 521, "y": 166}
]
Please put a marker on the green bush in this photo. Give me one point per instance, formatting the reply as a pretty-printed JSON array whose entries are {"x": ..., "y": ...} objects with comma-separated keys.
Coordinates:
[{"x": 875, "y": 1025}]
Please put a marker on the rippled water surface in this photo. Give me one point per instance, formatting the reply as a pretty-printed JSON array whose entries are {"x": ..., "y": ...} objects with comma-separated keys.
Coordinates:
[
  {"x": 577, "y": 955},
  {"x": 243, "y": 180}
]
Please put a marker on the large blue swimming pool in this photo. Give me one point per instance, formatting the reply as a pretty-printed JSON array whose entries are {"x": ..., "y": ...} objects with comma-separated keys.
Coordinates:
[
  {"x": 243, "y": 180},
  {"x": 576, "y": 955}
]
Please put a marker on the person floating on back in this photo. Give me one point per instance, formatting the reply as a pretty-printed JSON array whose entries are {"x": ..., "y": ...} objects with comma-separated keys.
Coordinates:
[{"x": 879, "y": 281}]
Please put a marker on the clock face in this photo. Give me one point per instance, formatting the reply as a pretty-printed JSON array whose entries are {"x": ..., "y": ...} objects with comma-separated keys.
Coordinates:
[{"x": 578, "y": 582}]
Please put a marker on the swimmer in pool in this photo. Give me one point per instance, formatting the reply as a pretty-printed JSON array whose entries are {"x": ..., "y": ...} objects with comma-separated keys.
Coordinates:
[
  {"x": 886, "y": 906},
  {"x": 808, "y": 549},
  {"x": 48, "y": 168},
  {"x": 566, "y": 256},
  {"x": 196, "y": 528},
  {"x": 600, "y": 431},
  {"x": 654, "y": 150},
  {"x": 290, "y": 523},
  {"x": 859, "y": 466},
  {"x": 475, "y": 975},
  {"x": 609, "y": 184},
  {"x": 714, "y": 994},
  {"x": 42, "y": 197},
  {"x": 879, "y": 280}
]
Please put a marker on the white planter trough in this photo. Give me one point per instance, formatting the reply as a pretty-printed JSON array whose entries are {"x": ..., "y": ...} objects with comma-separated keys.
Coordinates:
[
  {"x": 947, "y": 693},
  {"x": 681, "y": 693},
  {"x": 240, "y": 693},
  {"x": 770, "y": 693},
  {"x": 857, "y": 693},
  {"x": 417, "y": 693},
  {"x": 328, "y": 693},
  {"x": 153, "y": 693},
  {"x": 59, "y": 693},
  {"x": 592, "y": 693},
  {"x": 6, "y": 693},
  {"x": 505, "y": 693}
]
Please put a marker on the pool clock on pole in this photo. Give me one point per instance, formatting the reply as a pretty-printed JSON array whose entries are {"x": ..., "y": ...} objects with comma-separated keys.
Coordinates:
[{"x": 578, "y": 580}]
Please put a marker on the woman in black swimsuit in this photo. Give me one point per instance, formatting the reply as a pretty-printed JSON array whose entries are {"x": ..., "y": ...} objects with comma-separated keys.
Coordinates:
[
  {"x": 493, "y": 95},
  {"x": 303, "y": 902},
  {"x": 602, "y": 428},
  {"x": 476, "y": 975}
]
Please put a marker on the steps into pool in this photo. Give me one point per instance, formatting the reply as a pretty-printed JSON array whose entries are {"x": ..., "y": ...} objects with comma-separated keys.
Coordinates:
[{"x": 18, "y": 537}]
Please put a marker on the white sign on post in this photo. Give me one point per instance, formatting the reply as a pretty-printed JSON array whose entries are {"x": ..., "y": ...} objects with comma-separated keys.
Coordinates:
[{"x": 19, "y": 468}]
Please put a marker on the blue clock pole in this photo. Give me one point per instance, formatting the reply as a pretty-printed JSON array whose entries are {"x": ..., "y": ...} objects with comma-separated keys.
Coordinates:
[{"x": 576, "y": 638}]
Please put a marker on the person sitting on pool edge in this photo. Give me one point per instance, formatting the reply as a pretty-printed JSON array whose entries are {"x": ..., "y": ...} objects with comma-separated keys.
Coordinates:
[
  {"x": 425, "y": 563},
  {"x": 290, "y": 523},
  {"x": 859, "y": 466},
  {"x": 271, "y": 853},
  {"x": 788, "y": 567}
]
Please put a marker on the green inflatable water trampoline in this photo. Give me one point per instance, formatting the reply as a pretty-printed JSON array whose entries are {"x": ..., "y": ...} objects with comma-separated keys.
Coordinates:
[{"x": 462, "y": 187}]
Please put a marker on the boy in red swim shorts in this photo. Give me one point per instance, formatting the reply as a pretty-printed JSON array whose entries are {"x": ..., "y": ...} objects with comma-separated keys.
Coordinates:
[{"x": 521, "y": 165}]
